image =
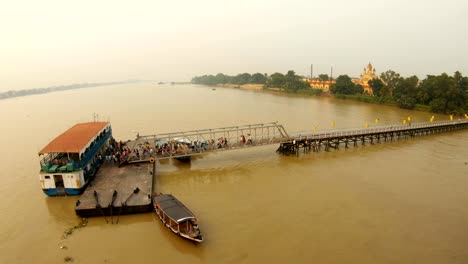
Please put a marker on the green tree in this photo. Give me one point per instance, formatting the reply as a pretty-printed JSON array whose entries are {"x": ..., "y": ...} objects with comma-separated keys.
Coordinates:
[
  {"x": 221, "y": 78},
  {"x": 407, "y": 87},
  {"x": 390, "y": 79},
  {"x": 276, "y": 80},
  {"x": 323, "y": 77},
  {"x": 242, "y": 78},
  {"x": 258, "y": 78},
  {"x": 205, "y": 79},
  {"x": 344, "y": 85},
  {"x": 407, "y": 102},
  {"x": 289, "y": 82},
  {"x": 291, "y": 75},
  {"x": 377, "y": 87},
  {"x": 358, "y": 89},
  {"x": 294, "y": 82},
  {"x": 444, "y": 93}
]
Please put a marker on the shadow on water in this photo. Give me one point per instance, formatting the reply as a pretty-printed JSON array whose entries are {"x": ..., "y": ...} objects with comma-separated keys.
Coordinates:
[
  {"x": 62, "y": 208},
  {"x": 187, "y": 176}
]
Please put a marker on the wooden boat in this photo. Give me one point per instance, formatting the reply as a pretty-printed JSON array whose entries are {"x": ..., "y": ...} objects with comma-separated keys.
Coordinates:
[{"x": 177, "y": 217}]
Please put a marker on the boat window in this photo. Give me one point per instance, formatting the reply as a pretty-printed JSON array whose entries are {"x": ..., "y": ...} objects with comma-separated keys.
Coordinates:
[{"x": 47, "y": 177}]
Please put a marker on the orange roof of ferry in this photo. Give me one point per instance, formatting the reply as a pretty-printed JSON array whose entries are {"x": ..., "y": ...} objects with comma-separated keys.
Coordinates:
[{"x": 74, "y": 139}]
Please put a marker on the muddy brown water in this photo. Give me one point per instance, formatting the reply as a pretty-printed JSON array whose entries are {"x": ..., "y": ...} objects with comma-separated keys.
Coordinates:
[{"x": 398, "y": 202}]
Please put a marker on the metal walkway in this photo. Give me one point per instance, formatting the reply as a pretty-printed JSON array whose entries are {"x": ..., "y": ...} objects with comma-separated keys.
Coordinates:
[
  {"x": 182, "y": 145},
  {"x": 189, "y": 143}
]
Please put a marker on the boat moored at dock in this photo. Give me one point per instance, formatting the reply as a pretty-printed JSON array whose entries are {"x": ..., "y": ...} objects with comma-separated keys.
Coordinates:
[
  {"x": 69, "y": 162},
  {"x": 177, "y": 217}
]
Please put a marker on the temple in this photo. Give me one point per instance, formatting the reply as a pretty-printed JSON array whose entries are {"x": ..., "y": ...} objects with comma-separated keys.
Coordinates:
[{"x": 367, "y": 75}]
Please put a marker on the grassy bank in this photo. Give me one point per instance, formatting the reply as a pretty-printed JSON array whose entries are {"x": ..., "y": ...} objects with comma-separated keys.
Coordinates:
[
  {"x": 368, "y": 99},
  {"x": 317, "y": 92},
  {"x": 356, "y": 97},
  {"x": 314, "y": 92},
  {"x": 379, "y": 100}
]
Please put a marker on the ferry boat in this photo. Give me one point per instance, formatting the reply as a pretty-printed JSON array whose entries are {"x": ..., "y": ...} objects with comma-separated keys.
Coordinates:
[
  {"x": 69, "y": 162},
  {"x": 175, "y": 216}
]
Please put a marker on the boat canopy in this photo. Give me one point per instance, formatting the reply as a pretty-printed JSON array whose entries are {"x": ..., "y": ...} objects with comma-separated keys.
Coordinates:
[
  {"x": 75, "y": 139},
  {"x": 173, "y": 208}
]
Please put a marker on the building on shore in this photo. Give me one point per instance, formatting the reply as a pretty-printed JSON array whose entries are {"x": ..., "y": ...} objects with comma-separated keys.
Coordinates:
[
  {"x": 367, "y": 75},
  {"x": 322, "y": 85}
]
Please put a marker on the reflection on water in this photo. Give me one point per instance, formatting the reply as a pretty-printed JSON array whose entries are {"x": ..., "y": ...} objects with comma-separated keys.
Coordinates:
[{"x": 395, "y": 202}]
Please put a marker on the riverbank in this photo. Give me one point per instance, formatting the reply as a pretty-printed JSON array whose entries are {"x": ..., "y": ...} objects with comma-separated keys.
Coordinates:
[
  {"x": 242, "y": 86},
  {"x": 316, "y": 92},
  {"x": 261, "y": 87}
]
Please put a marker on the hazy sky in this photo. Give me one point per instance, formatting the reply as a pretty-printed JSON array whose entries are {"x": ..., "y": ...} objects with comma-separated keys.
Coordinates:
[{"x": 53, "y": 42}]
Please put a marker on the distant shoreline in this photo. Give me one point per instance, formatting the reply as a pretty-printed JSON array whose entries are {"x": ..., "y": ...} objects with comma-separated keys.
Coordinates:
[{"x": 20, "y": 93}]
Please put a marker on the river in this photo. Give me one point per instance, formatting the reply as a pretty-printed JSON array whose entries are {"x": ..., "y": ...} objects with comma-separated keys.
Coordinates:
[{"x": 396, "y": 202}]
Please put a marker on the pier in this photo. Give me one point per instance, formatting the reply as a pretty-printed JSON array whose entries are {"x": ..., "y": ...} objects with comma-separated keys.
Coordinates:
[
  {"x": 333, "y": 139},
  {"x": 127, "y": 187},
  {"x": 183, "y": 145}
]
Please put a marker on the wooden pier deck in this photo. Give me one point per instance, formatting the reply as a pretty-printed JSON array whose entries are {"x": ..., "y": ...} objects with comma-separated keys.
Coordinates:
[{"x": 124, "y": 181}]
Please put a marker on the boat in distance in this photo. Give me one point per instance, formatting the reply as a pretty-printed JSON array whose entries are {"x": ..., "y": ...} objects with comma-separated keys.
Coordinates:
[{"x": 177, "y": 217}]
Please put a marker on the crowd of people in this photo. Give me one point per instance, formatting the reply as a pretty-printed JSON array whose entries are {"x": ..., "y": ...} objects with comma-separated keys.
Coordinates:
[{"x": 119, "y": 152}]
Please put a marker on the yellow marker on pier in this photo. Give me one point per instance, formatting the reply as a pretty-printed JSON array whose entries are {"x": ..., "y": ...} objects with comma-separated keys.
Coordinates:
[
  {"x": 376, "y": 120},
  {"x": 366, "y": 125},
  {"x": 333, "y": 123},
  {"x": 451, "y": 117},
  {"x": 404, "y": 121}
]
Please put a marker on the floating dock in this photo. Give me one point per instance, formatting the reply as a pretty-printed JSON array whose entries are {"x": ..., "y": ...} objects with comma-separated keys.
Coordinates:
[{"x": 118, "y": 190}]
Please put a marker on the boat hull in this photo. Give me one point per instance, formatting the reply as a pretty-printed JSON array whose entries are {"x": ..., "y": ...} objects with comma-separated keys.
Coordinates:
[
  {"x": 177, "y": 217},
  {"x": 198, "y": 239},
  {"x": 64, "y": 191}
]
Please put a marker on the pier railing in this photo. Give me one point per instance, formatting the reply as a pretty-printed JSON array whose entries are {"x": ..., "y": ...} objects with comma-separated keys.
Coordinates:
[
  {"x": 372, "y": 130},
  {"x": 195, "y": 142}
]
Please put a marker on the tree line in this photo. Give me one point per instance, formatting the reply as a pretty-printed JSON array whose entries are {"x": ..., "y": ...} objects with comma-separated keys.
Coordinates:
[
  {"x": 289, "y": 81},
  {"x": 437, "y": 93},
  {"x": 441, "y": 93},
  {"x": 220, "y": 78}
]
